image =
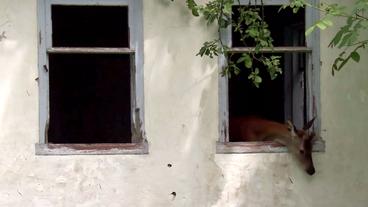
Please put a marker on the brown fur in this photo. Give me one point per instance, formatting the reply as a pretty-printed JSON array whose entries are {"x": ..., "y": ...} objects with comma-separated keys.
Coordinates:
[{"x": 299, "y": 142}]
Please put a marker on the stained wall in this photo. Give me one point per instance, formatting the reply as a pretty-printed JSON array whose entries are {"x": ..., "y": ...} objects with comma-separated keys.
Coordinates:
[{"x": 181, "y": 113}]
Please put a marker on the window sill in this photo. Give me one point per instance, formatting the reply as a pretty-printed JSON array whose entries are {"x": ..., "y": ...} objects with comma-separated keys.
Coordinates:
[
  {"x": 260, "y": 147},
  {"x": 93, "y": 149}
]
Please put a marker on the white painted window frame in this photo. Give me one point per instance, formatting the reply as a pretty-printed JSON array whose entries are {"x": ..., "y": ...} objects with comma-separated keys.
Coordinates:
[
  {"x": 312, "y": 51},
  {"x": 139, "y": 143}
]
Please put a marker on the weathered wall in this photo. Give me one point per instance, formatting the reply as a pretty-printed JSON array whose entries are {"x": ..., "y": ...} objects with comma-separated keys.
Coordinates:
[{"x": 181, "y": 125}]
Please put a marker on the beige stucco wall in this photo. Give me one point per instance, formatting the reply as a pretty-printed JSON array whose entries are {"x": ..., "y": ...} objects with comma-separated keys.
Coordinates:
[{"x": 181, "y": 105}]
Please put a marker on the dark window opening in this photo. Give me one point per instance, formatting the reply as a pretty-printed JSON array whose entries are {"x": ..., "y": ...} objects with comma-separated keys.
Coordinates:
[
  {"x": 89, "y": 98},
  {"x": 245, "y": 99},
  {"x": 280, "y": 23},
  {"x": 90, "y": 26},
  {"x": 90, "y": 94},
  {"x": 280, "y": 99}
]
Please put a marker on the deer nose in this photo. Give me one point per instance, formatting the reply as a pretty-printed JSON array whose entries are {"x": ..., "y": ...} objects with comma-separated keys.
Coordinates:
[{"x": 311, "y": 171}]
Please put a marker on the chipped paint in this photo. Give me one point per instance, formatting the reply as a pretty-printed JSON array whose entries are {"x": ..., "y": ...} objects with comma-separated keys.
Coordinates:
[
  {"x": 91, "y": 149},
  {"x": 137, "y": 131}
]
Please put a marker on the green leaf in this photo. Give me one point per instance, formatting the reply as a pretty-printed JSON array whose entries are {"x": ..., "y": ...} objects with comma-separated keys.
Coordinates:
[
  {"x": 195, "y": 12},
  {"x": 228, "y": 7},
  {"x": 192, "y": 5},
  {"x": 337, "y": 37},
  {"x": 345, "y": 40},
  {"x": 248, "y": 61},
  {"x": 321, "y": 25},
  {"x": 327, "y": 22},
  {"x": 282, "y": 7},
  {"x": 241, "y": 59},
  {"x": 355, "y": 56},
  {"x": 256, "y": 71},
  {"x": 310, "y": 30},
  {"x": 258, "y": 79}
]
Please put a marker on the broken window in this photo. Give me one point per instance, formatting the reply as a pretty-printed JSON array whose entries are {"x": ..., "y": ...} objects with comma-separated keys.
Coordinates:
[
  {"x": 91, "y": 82},
  {"x": 274, "y": 98},
  {"x": 293, "y": 95}
]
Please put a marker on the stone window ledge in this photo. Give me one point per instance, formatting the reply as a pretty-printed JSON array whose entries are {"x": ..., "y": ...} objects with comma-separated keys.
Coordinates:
[
  {"x": 260, "y": 147},
  {"x": 93, "y": 149}
]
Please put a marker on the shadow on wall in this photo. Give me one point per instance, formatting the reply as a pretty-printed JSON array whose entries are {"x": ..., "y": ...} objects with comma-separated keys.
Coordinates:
[{"x": 2, "y": 35}]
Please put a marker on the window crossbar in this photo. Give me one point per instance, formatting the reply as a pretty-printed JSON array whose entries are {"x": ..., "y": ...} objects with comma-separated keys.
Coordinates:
[
  {"x": 89, "y": 50},
  {"x": 272, "y": 50}
]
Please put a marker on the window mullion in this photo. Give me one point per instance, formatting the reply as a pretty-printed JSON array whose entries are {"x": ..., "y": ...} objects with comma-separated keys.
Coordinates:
[{"x": 224, "y": 89}]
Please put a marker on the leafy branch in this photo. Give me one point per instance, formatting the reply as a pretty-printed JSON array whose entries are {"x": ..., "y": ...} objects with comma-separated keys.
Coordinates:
[
  {"x": 250, "y": 25},
  {"x": 348, "y": 38}
]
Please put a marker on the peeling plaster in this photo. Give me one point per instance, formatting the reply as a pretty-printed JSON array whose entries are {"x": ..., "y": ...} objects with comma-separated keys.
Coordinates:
[{"x": 181, "y": 126}]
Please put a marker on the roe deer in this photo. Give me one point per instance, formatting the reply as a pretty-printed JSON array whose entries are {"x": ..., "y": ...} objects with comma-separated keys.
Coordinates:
[{"x": 299, "y": 142}]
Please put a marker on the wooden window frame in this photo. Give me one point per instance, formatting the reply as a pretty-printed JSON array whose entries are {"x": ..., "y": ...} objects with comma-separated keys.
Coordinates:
[
  {"x": 312, "y": 51},
  {"x": 139, "y": 143}
]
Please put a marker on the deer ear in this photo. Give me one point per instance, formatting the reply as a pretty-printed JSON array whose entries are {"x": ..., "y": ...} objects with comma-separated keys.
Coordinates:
[
  {"x": 290, "y": 125},
  {"x": 309, "y": 124},
  {"x": 292, "y": 129}
]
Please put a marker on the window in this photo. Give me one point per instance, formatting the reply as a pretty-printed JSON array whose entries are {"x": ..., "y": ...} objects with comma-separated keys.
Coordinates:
[
  {"x": 292, "y": 96},
  {"x": 91, "y": 77}
]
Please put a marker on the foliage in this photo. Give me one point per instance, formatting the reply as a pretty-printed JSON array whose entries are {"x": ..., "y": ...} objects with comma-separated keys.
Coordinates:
[
  {"x": 251, "y": 27},
  {"x": 348, "y": 38}
]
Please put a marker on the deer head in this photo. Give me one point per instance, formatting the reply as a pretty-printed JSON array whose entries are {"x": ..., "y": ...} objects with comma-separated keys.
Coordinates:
[{"x": 302, "y": 145}]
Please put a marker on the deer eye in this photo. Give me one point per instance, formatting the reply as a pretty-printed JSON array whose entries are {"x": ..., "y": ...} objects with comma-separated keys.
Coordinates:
[{"x": 301, "y": 151}]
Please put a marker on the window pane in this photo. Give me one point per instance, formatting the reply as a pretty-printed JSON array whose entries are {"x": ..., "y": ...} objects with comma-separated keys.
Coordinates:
[
  {"x": 89, "y": 99},
  {"x": 278, "y": 100},
  {"x": 245, "y": 99},
  {"x": 89, "y": 26},
  {"x": 266, "y": 101},
  {"x": 287, "y": 28}
]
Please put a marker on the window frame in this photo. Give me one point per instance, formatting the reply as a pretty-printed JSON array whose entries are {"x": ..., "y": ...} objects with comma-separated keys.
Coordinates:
[
  {"x": 312, "y": 51},
  {"x": 139, "y": 143}
]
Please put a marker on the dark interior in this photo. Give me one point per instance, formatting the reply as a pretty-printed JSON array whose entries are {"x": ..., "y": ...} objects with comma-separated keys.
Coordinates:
[
  {"x": 281, "y": 24},
  {"x": 245, "y": 99},
  {"x": 89, "y": 98},
  {"x": 267, "y": 101},
  {"x": 90, "y": 26}
]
